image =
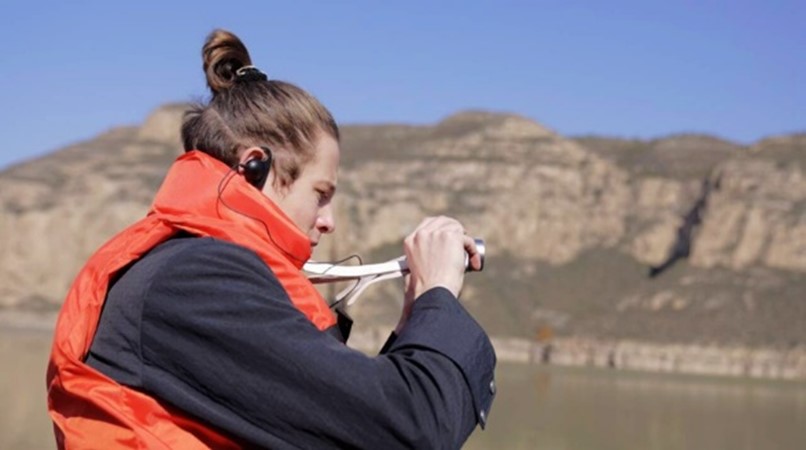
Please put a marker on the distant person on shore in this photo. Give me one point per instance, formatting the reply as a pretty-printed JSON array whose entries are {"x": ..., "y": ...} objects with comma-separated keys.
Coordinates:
[{"x": 195, "y": 327}]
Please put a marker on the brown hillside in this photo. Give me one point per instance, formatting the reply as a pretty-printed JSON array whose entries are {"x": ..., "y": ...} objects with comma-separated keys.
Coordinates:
[{"x": 572, "y": 225}]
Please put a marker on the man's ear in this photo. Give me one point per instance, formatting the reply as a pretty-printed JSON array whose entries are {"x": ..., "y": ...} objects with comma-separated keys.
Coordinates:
[
  {"x": 255, "y": 165},
  {"x": 251, "y": 153}
]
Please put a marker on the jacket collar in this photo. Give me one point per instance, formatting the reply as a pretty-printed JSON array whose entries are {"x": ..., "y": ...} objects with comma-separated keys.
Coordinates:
[{"x": 200, "y": 188}]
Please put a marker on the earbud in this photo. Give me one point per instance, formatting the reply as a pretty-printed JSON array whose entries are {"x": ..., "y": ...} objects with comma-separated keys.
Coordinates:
[{"x": 256, "y": 170}]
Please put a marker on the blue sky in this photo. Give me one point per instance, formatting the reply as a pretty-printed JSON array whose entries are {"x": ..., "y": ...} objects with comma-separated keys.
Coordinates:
[{"x": 734, "y": 69}]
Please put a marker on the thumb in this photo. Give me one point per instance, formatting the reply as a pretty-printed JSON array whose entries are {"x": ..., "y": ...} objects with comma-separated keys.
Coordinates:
[{"x": 409, "y": 283}]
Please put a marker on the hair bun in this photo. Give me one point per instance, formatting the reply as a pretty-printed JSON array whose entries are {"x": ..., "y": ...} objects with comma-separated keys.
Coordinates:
[{"x": 223, "y": 54}]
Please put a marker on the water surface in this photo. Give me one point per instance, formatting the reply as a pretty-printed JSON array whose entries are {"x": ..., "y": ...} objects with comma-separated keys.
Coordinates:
[
  {"x": 536, "y": 408},
  {"x": 563, "y": 408}
]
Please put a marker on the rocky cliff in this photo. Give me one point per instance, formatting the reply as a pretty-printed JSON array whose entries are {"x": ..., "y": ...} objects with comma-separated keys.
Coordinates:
[{"x": 684, "y": 239}]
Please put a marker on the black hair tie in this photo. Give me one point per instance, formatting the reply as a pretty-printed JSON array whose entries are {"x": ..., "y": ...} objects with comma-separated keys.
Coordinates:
[{"x": 250, "y": 73}]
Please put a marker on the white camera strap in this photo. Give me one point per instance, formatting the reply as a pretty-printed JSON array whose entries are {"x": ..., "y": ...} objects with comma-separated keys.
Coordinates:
[{"x": 365, "y": 275}]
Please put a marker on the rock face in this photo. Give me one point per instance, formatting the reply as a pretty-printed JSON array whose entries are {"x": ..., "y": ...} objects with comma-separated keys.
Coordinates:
[
  {"x": 57, "y": 210},
  {"x": 758, "y": 216},
  {"x": 528, "y": 191},
  {"x": 685, "y": 239}
]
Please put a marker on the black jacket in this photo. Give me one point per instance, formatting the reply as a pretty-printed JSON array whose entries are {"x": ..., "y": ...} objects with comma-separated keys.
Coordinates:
[{"x": 205, "y": 326}]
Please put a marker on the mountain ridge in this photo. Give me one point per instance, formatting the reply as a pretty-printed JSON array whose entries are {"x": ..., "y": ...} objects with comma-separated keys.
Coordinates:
[{"x": 573, "y": 225}]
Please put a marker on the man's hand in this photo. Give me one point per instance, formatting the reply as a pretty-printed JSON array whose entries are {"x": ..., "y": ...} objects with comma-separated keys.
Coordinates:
[{"x": 436, "y": 252}]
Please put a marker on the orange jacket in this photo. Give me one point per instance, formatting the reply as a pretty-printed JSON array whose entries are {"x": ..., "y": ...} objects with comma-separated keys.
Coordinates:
[{"x": 204, "y": 197}]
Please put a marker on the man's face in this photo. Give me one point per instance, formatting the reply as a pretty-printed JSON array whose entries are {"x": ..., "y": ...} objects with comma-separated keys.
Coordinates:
[{"x": 308, "y": 201}]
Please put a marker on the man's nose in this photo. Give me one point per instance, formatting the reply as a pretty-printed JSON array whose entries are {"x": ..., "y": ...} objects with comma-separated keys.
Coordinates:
[{"x": 325, "y": 222}]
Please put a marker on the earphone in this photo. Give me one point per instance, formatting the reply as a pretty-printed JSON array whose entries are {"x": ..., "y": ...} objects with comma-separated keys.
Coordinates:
[{"x": 256, "y": 170}]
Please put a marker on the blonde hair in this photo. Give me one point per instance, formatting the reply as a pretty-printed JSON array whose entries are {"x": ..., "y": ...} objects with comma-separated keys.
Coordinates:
[{"x": 247, "y": 109}]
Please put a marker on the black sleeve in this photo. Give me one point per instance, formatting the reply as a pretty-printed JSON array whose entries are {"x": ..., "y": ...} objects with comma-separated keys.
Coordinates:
[{"x": 221, "y": 340}]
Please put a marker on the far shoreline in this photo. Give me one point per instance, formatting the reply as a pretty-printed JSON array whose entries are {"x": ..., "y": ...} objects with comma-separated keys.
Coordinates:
[
  {"x": 27, "y": 322},
  {"x": 732, "y": 361}
]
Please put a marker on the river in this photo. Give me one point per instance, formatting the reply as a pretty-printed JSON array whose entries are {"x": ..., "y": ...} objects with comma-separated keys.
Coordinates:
[{"x": 537, "y": 407}]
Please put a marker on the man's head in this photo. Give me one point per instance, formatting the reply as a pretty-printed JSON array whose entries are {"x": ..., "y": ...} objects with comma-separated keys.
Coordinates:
[{"x": 247, "y": 112}]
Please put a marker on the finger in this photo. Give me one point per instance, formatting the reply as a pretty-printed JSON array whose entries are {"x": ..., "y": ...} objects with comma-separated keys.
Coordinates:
[
  {"x": 444, "y": 223},
  {"x": 423, "y": 225},
  {"x": 408, "y": 284},
  {"x": 408, "y": 241},
  {"x": 474, "y": 257}
]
